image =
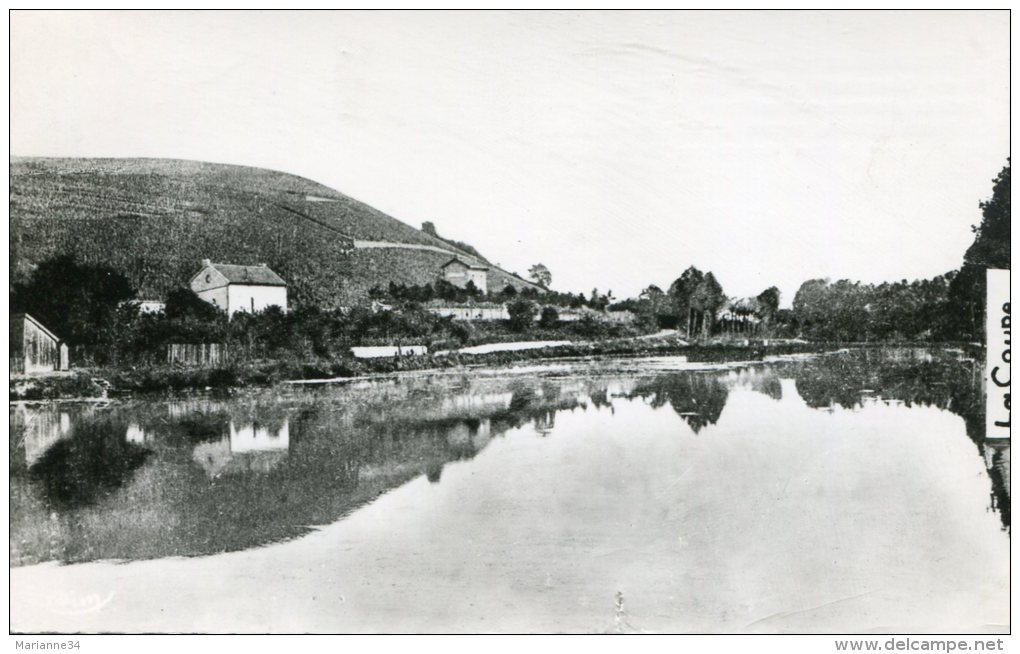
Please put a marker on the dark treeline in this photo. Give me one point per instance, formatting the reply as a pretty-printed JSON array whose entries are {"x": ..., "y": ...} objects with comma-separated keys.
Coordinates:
[
  {"x": 695, "y": 303},
  {"x": 946, "y": 307},
  {"x": 852, "y": 311},
  {"x": 447, "y": 292},
  {"x": 990, "y": 249}
]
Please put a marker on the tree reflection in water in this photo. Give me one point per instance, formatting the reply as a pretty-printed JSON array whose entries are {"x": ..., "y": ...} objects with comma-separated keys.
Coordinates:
[
  {"x": 945, "y": 379},
  {"x": 697, "y": 397},
  {"x": 205, "y": 475},
  {"x": 92, "y": 463},
  {"x": 208, "y": 475}
]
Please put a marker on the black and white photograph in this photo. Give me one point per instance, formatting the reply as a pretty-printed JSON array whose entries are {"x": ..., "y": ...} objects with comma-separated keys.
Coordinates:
[{"x": 657, "y": 322}]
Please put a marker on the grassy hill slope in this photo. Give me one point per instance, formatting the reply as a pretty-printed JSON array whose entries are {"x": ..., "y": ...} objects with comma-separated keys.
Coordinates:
[{"x": 155, "y": 219}]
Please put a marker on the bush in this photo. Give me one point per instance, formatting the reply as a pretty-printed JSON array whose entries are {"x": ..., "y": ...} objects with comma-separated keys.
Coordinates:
[
  {"x": 550, "y": 316},
  {"x": 183, "y": 303},
  {"x": 591, "y": 327},
  {"x": 522, "y": 314},
  {"x": 461, "y": 331}
]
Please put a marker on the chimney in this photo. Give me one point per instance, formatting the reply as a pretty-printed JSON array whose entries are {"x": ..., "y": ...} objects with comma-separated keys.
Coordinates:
[{"x": 206, "y": 262}]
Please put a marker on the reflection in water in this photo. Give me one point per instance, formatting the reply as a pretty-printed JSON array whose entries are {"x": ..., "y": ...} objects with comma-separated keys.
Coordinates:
[
  {"x": 135, "y": 433},
  {"x": 698, "y": 397},
  {"x": 150, "y": 479},
  {"x": 915, "y": 377},
  {"x": 35, "y": 431},
  {"x": 996, "y": 455},
  {"x": 89, "y": 465},
  {"x": 248, "y": 447}
]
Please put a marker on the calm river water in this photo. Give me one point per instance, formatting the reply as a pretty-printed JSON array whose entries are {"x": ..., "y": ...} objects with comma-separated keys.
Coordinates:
[{"x": 846, "y": 492}]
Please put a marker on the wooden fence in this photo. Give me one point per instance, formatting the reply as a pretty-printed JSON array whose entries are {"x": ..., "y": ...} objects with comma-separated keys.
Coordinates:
[{"x": 196, "y": 354}]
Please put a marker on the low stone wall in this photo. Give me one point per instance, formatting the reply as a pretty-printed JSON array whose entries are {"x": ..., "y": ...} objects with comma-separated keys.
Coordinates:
[{"x": 378, "y": 351}]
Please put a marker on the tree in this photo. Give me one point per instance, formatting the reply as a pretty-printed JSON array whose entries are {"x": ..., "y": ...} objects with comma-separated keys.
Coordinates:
[
  {"x": 540, "y": 275},
  {"x": 79, "y": 302},
  {"x": 681, "y": 293},
  {"x": 183, "y": 303},
  {"x": 990, "y": 249},
  {"x": 471, "y": 290},
  {"x": 696, "y": 297},
  {"x": 708, "y": 298},
  {"x": 652, "y": 293},
  {"x": 655, "y": 306},
  {"x": 809, "y": 303},
  {"x": 549, "y": 317},
  {"x": 522, "y": 314},
  {"x": 769, "y": 301}
]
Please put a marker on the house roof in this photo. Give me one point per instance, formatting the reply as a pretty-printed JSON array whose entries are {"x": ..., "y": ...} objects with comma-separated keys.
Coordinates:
[
  {"x": 466, "y": 265},
  {"x": 260, "y": 275},
  {"x": 24, "y": 316},
  {"x": 744, "y": 308}
]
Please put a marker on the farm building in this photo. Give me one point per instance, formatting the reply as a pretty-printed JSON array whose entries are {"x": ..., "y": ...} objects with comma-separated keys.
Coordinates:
[
  {"x": 236, "y": 288},
  {"x": 579, "y": 313},
  {"x": 460, "y": 274},
  {"x": 473, "y": 311},
  {"x": 35, "y": 349},
  {"x": 496, "y": 311},
  {"x": 145, "y": 306},
  {"x": 740, "y": 316},
  {"x": 151, "y": 306}
]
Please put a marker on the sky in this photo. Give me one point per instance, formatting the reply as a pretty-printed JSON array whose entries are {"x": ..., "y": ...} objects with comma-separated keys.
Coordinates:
[{"x": 616, "y": 148}]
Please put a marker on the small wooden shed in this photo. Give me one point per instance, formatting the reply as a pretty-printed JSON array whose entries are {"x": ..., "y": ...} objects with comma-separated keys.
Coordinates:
[{"x": 35, "y": 349}]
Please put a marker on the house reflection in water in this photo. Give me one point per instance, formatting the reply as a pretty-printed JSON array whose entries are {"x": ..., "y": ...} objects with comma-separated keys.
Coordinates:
[
  {"x": 468, "y": 437},
  {"x": 249, "y": 447},
  {"x": 135, "y": 433},
  {"x": 39, "y": 429},
  {"x": 475, "y": 401},
  {"x": 544, "y": 422},
  {"x": 465, "y": 438}
]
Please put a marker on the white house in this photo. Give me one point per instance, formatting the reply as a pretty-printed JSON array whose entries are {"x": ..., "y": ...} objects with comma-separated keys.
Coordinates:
[
  {"x": 239, "y": 288},
  {"x": 459, "y": 274}
]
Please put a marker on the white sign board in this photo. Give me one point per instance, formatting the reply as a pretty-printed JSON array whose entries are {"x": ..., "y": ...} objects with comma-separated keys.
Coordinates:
[{"x": 997, "y": 333}]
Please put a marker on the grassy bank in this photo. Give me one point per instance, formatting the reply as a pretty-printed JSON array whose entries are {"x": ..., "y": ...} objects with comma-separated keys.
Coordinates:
[
  {"x": 77, "y": 385},
  {"x": 161, "y": 378},
  {"x": 112, "y": 382}
]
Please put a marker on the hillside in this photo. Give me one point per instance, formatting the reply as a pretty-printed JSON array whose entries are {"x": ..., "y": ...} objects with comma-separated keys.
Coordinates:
[{"x": 156, "y": 219}]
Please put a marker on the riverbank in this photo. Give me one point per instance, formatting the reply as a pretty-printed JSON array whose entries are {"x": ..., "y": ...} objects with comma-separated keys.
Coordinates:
[{"x": 114, "y": 382}]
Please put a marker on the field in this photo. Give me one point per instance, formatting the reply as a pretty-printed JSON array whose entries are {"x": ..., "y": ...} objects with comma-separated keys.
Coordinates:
[{"x": 156, "y": 219}]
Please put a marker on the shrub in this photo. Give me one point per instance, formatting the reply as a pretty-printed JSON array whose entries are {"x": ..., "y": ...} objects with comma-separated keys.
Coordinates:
[
  {"x": 550, "y": 316},
  {"x": 461, "y": 331},
  {"x": 183, "y": 303},
  {"x": 522, "y": 314}
]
